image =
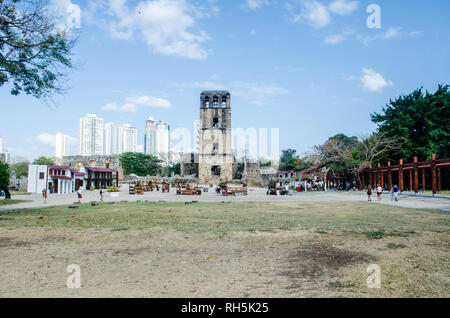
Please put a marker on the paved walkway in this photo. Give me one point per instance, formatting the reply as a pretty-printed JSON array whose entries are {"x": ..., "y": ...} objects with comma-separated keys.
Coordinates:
[{"x": 254, "y": 195}]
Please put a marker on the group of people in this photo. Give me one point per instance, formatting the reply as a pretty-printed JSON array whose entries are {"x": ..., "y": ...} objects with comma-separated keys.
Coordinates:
[
  {"x": 79, "y": 194},
  {"x": 395, "y": 191}
]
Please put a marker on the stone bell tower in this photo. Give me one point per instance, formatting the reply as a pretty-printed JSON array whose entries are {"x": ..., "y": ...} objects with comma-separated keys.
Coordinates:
[{"x": 215, "y": 154}]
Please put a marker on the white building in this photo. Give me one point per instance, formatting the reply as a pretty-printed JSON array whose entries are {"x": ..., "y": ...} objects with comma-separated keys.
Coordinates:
[
  {"x": 150, "y": 137},
  {"x": 90, "y": 136},
  {"x": 62, "y": 145},
  {"x": 113, "y": 138},
  {"x": 129, "y": 139},
  {"x": 163, "y": 140},
  {"x": 4, "y": 154},
  {"x": 55, "y": 179}
]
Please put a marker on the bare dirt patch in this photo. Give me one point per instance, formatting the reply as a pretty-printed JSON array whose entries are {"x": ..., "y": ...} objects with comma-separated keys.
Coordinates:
[
  {"x": 225, "y": 250},
  {"x": 313, "y": 260}
]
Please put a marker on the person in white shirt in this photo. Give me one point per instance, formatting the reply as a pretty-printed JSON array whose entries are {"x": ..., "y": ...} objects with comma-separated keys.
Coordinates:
[{"x": 80, "y": 194}]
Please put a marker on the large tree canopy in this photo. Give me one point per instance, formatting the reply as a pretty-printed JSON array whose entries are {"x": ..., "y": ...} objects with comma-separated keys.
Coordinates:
[
  {"x": 343, "y": 155},
  {"x": 43, "y": 161},
  {"x": 288, "y": 160},
  {"x": 421, "y": 120},
  {"x": 34, "y": 56},
  {"x": 21, "y": 169},
  {"x": 140, "y": 164}
]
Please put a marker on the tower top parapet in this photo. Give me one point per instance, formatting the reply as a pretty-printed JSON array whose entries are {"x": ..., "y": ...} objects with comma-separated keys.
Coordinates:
[{"x": 215, "y": 99}]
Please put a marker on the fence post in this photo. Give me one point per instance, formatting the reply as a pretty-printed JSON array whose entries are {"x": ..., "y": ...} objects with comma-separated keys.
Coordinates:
[
  {"x": 416, "y": 176},
  {"x": 423, "y": 181},
  {"x": 389, "y": 176},
  {"x": 400, "y": 176},
  {"x": 433, "y": 173},
  {"x": 380, "y": 177}
]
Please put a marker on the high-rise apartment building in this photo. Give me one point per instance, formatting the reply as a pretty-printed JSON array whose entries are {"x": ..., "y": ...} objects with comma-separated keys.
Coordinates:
[
  {"x": 113, "y": 139},
  {"x": 150, "y": 136},
  {"x": 90, "y": 136},
  {"x": 62, "y": 145},
  {"x": 129, "y": 139},
  {"x": 163, "y": 140}
]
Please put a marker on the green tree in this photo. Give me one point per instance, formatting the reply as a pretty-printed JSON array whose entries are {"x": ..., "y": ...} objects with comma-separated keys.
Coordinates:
[
  {"x": 4, "y": 179},
  {"x": 34, "y": 56},
  {"x": 287, "y": 159},
  {"x": 21, "y": 169},
  {"x": 176, "y": 168},
  {"x": 350, "y": 158},
  {"x": 44, "y": 161},
  {"x": 140, "y": 164},
  {"x": 421, "y": 120}
]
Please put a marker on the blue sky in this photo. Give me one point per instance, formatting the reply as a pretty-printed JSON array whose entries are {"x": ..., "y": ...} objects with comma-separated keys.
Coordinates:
[{"x": 310, "y": 68}]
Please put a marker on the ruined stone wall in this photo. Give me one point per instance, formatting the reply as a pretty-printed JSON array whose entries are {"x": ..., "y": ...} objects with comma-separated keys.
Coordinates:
[{"x": 252, "y": 173}]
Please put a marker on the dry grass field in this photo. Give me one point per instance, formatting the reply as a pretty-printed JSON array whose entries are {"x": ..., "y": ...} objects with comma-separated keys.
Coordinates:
[{"x": 283, "y": 249}]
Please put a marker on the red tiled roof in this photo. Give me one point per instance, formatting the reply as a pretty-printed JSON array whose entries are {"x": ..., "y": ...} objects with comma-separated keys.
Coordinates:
[
  {"x": 95, "y": 169},
  {"x": 77, "y": 173},
  {"x": 58, "y": 167}
]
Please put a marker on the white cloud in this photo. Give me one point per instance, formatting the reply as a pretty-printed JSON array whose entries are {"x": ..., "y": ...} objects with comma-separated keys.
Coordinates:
[
  {"x": 46, "y": 139},
  {"x": 334, "y": 39},
  {"x": 314, "y": 13},
  {"x": 132, "y": 104},
  {"x": 257, "y": 93},
  {"x": 389, "y": 34},
  {"x": 149, "y": 101},
  {"x": 126, "y": 108},
  {"x": 204, "y": 85},
  {"x": 343, "y": 7},
  {"x": 373, "y": 81},
  {"x": 317, "y": 13},
  {"x": 255, "y": 4},
  {"x": 165, "y": 25},
  {"x": 415, "y": 33},
  {"x": 67, "y": 14}
]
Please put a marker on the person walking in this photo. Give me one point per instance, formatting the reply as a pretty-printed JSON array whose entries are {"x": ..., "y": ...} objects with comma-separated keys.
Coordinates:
[
  {"x": 392, "y": 194},
  {"x": 369, "y": 194},
  {"x": 44, "y": 195},
  {"x": 379, "y": 192},
  {"x": 101, "y": 195},
  {"x": 80, "y": 194},
  {"x": 396, "y": 192}
]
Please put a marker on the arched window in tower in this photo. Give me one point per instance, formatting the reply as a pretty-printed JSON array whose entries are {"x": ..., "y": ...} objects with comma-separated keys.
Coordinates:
[
  {"x": 224, "y": 102},
  {"x": 207, "y": 102},
  {"x": 215, "y": 102}
]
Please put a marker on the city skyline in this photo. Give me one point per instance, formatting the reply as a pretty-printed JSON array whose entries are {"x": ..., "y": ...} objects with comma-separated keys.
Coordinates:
[{"x": 98, "y": 138}]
